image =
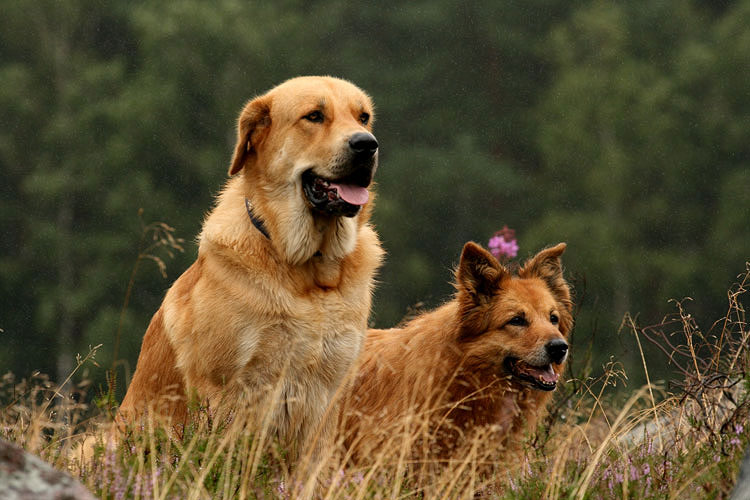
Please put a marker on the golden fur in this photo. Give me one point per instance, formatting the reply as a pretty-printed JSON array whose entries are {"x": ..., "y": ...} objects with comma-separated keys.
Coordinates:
[
  {"x": 451, "y": 368},
  {"x": 285, "y": 313}
]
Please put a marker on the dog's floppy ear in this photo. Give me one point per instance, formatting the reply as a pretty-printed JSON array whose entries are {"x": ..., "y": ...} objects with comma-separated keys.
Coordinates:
[
  {"x": 478, "y": 273},
  {"x": 252, "y": 125}
]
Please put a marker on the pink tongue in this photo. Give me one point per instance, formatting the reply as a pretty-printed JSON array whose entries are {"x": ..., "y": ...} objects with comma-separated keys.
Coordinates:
[
  {"x": 356, "y": 195},
  {"x": 549, "y": 375}
]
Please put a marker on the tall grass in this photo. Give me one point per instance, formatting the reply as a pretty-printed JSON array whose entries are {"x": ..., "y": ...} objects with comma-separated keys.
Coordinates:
[{"x": 680, "y": 439}]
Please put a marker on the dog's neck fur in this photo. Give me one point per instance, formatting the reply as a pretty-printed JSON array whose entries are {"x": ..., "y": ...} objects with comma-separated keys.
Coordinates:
[{"x": 296, "y": 234}]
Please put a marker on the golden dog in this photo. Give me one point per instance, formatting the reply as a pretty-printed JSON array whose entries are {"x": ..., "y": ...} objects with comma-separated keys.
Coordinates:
[
  {"x": 481, "y": 366},
  {"x": 273, "y": 312}
]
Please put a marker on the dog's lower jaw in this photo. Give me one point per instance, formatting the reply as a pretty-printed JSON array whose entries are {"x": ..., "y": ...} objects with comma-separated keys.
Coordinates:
[
  {"x": 336, "y": 197},
  {"x": 527, "y": 380}
]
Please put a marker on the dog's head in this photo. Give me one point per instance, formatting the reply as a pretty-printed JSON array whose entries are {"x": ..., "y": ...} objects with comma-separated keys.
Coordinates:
[
  {"x": 311, "y": 138},
  {"x": 515, "y": 325}
]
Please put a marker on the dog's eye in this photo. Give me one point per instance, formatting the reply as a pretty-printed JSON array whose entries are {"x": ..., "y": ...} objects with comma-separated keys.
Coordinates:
[
  {"x": 517, "y": 321},
  {"x": 554, "y": 319},
  {"x": 364, "y": 118},
  {"x": 315, "y": 117}
]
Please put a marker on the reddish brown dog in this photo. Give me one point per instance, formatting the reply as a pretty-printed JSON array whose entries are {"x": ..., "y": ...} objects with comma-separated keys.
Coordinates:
[
  {"x": 485, "y": 363},
  {"x": 274, "y": 311}
]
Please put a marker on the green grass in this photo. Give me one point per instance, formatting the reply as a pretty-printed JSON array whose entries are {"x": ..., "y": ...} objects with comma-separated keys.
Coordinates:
[{"x": 682, "y": 439}]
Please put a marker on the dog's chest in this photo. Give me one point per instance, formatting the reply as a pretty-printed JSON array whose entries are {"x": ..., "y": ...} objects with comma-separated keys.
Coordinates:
[
  {"x": 313, "y": 337},
  {"x": 325, "y": 342},
  {"x": 265, "y": 321}
]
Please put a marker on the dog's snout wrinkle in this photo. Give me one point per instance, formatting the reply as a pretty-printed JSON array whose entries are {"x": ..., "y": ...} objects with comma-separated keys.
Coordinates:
[
  {"x": 363, "y": 143},
  {"x": 557, "y": 350}
]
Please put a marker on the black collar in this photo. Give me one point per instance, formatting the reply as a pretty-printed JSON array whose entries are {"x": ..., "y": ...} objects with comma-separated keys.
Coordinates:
[
  {"x": 262, "y": 227},
  {"x": 256, "y": 221}
]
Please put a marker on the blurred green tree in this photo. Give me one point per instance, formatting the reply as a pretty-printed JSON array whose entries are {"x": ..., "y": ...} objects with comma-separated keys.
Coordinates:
[{"x": 621, "y": 128}]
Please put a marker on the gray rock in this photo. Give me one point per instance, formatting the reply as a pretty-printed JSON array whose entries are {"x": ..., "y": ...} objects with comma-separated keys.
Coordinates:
[
  {"x": 742, "y": 488},
  {"x": 24, "y": 476}
]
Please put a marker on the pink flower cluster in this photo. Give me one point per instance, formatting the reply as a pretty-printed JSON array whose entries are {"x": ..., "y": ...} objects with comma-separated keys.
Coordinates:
[{"x": 503, "y": 244}]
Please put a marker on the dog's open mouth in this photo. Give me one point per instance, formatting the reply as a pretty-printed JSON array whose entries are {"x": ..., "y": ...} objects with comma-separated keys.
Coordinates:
[
  {"x": 539, "y": 377},
  {"x": 341, "y": 198}
]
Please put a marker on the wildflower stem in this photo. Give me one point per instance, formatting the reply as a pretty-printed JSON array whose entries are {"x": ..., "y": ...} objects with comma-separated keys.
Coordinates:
[
  {"x": 79, "y": 363},
  {"x": 648, "y": 383}
]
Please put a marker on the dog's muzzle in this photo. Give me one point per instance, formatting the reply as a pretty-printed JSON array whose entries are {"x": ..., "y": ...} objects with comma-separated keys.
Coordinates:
[
  {"x": 344, "y": 194},
  {"x": 539, "y": 376}
]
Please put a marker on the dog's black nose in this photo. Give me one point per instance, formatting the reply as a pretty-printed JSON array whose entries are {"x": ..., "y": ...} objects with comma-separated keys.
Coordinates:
[
  {"x": 557, "y": 349},
  {"x": 363, "y": 143}
]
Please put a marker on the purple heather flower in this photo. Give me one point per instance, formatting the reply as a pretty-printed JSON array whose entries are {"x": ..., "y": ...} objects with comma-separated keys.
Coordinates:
[
  {"x": 358, "y": 477},
  {"x": 337, "y": 478},
  {"x": 512, "y": 483},
  {"x": 148, "y": 487},
  {"x": 503, "y": 243},
  {"x": 495, "y": 242},
  {"x": 634, "y": 473},
  {"x": 137, "y": 485},
  {"x": 738, "y": 428}
]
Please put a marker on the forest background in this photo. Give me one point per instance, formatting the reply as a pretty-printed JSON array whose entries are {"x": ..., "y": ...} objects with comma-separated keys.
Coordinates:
[{"x": 622, "y": 128}]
